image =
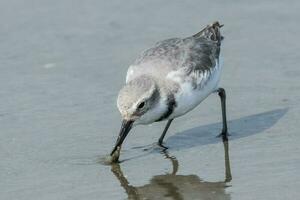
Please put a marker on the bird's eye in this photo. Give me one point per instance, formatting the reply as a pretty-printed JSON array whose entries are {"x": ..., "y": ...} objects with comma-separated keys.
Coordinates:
[{"x": 141, "y": 105}]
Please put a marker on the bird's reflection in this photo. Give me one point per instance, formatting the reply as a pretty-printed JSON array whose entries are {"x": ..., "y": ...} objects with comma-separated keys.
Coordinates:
[{"x": 178, "y": 187}]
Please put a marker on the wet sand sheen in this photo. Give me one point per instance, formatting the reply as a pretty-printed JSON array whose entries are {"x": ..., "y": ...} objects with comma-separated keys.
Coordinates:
[{"x": 60, "y": 75}]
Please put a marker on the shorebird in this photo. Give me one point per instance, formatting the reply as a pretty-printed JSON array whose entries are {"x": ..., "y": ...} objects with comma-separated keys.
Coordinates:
[{"x": 169, "y": 80}]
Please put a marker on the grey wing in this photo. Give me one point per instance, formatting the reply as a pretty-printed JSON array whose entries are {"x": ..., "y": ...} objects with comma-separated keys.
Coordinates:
[
  {"x": 189, "y": 56},
  {"x": 201, "y": 54},
  {"x": 170, "y": 50},
  {"x": 164, "y": 57},
  {"x": 201, "y": 62}
]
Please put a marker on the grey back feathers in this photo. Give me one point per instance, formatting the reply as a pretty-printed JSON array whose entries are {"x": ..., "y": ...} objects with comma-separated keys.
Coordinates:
[{"x": 192, "y": 55}]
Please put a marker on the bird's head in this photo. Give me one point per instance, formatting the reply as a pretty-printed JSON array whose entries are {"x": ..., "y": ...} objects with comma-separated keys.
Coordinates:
[
  {"x": 137, "y": 98},
  {"x": 139, "y": 102}
]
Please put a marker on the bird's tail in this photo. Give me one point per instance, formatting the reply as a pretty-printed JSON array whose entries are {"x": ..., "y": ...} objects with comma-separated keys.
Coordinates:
[{"x": 211, "y": 32}]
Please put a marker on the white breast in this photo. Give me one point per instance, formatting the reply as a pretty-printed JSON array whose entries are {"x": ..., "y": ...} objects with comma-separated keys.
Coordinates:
[{"x": 187, "y": 98}]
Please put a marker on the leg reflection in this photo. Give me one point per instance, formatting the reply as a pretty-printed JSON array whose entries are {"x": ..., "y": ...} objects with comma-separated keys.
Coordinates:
[
  {"x": 228, "y": 176},
  {"x": 175, "y": 186},
  {"x": 173, "y": 160},
  {"x": 131, "y": 191}
]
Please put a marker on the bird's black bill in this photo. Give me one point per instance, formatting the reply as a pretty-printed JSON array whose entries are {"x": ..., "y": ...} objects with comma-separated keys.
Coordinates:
[{"x": 125, "y": 128}]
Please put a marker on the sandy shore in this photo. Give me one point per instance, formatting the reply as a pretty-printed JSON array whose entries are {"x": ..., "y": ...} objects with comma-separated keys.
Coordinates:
[{"x": 62, "y": 64}]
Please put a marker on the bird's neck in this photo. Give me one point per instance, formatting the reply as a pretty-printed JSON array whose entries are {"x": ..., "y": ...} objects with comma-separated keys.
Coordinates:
[
  {"x": 167, "y": 89},
  {"x": 166, "y": 101}
]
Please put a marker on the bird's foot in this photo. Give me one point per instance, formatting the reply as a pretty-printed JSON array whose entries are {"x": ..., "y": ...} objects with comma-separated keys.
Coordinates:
[
  {"x": 160, "y": 145},
  {"x": 224, "y": 135}
]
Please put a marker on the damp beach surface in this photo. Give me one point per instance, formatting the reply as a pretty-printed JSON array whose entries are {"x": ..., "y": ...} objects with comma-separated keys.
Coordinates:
[{"x": 63, "y": 63}]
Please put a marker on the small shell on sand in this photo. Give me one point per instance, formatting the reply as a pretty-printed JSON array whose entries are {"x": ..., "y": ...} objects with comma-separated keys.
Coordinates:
[{"x": 113, "y": 158}]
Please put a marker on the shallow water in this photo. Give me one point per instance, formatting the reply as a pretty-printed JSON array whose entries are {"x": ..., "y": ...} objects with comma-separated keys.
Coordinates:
[{"x": 62, "y": 64}]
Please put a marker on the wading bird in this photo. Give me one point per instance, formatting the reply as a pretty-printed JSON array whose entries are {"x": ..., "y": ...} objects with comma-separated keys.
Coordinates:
[{"x": 169, "y": 80}]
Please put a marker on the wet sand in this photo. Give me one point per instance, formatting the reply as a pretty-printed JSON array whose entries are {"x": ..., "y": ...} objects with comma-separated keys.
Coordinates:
[{"x": 62, "y": 64}]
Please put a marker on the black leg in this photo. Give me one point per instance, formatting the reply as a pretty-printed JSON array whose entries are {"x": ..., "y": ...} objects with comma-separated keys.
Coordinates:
[
  {"x": 222, "y": 95},
  {"x": 160, "y": 141}
]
